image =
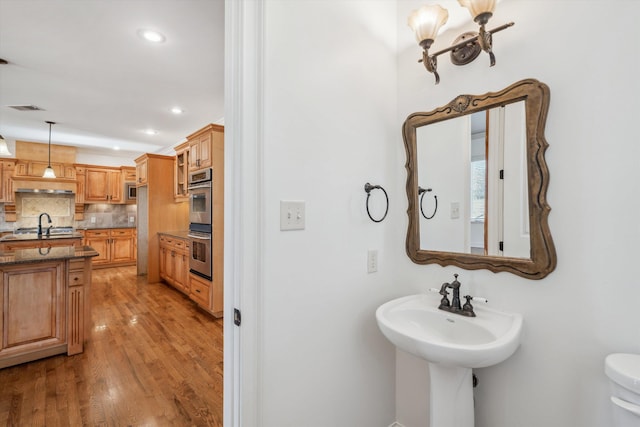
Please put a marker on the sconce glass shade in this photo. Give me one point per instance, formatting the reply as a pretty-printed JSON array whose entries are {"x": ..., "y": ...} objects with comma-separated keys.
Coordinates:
[
  {"x": 425, "y": 23},
  {"x": 4, "y": 150},
  {"x": 479, "y": 7}
]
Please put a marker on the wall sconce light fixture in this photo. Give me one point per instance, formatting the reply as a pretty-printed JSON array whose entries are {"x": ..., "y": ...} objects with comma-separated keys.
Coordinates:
[
  {"x": 426, "y": 21},
  {"x": 49, "y": 172}
]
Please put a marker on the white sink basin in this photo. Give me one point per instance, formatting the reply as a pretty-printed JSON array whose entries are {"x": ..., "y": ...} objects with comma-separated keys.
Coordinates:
[
  {"x": 453, "y": 345},
  {"x": 416, "y": 325}
]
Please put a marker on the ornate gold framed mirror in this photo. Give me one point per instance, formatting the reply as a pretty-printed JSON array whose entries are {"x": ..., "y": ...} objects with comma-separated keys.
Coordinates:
[{"x": 480, "y": 162}]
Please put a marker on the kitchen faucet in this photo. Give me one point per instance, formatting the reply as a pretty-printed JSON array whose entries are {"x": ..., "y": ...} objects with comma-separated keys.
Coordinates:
[
  {"x": 454, "y": 306},
  {"x": 40, "y": 224}
]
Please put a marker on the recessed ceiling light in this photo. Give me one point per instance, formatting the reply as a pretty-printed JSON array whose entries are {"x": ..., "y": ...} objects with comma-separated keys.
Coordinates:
[
  {"x": 151, "y": 132},
  {"x": 116, "y": 148},
  {"x": 151, "y": 35},
  {"x": 177, "y": 110}
]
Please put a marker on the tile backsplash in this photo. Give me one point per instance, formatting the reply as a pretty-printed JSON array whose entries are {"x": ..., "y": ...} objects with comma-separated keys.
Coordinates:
[
  {"x": 61, "y": 208},
  {"x": 104, "y": 215}
]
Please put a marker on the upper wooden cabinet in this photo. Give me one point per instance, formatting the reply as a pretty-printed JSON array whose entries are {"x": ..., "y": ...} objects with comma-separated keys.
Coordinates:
[
  {"x": 181, "y": 172},
  {"x": 6, "y": 183},
  {"x": 141, "y": 171},
  {"x": 128, "y": 173},
  {"x": 103, "y": 185},
  {"x": 201, "y": 146}
]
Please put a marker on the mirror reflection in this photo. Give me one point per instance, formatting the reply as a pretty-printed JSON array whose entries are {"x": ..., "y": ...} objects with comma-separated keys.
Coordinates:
[
  {"x": 474, "y": 166},
  {"x": 477, "y": 181}
]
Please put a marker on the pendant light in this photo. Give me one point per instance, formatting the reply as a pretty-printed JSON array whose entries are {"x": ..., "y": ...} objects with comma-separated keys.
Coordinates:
[
  {"x": 48, "y": 172},
  {"x": 4, "y": 150}
]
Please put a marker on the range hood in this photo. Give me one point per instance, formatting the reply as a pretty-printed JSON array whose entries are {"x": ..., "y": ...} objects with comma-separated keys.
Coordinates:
[{"x": 28, "y": 184}]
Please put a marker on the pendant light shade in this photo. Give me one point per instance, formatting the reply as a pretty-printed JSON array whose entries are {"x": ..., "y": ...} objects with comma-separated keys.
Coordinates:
[
  {"x": 48, "y": 172},
  {"x": 4, "y": 150}
]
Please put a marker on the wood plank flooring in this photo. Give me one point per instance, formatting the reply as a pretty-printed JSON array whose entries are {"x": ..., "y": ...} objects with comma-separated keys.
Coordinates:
[{"x": 152, "y": 359}]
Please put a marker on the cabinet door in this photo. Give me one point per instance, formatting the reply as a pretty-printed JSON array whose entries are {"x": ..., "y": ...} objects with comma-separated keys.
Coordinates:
[
  {"x": 200, "y": 152},
  {"x": 34, "y": 307},
  {"x": 141, "y": 172},
  {"x": 115, "y": 187},
  {"x": 97, "y": 185},
  {"x": 204, "y": 149},
  {"x": 121, "y": 249},
  {"x": 165, "y": 259},
  {"x": 102, "y": 246},
  {"x": 180, "y": 271}
]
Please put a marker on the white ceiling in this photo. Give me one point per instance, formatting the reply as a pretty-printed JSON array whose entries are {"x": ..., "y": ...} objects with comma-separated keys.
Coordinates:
[{"x": 83, "y": 63}]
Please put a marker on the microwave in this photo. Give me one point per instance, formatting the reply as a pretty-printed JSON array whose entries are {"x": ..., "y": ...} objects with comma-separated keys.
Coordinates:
[{"x": 130, "y": 190}]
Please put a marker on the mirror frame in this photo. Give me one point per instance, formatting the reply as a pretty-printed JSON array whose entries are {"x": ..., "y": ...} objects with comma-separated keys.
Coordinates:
[{"x": 543, "y": 253}]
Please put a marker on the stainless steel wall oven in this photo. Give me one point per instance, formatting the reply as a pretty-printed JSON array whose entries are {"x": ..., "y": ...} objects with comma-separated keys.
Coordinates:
[{"x": 200, "y": 218}]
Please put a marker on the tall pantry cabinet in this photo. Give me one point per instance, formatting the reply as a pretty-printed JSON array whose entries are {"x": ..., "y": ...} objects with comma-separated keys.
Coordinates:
[{"x": 157, "y": 210}]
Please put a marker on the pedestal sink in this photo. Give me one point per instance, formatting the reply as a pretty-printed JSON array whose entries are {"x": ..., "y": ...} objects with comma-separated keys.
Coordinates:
[{"x": 453, "y": 345}]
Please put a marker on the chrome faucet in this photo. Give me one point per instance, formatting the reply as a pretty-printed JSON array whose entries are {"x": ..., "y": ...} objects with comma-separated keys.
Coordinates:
[
  {"x": 455, "y": 306},
  {"x": 40, "y": 224}
]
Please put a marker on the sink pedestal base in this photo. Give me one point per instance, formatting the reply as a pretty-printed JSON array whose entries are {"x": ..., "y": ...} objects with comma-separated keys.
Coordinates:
[{"x": 451, "y": 396}]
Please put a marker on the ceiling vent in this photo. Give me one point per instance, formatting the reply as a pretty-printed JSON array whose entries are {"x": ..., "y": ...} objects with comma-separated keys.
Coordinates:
[{"x": 26, "y": 107}]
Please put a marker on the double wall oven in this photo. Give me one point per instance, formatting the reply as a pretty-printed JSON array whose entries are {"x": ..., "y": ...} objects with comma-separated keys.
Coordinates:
[{"x": 200, "y": 222}]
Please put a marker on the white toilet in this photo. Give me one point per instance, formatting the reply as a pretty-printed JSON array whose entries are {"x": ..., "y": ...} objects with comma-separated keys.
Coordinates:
[{"x": 624, "y": 372}]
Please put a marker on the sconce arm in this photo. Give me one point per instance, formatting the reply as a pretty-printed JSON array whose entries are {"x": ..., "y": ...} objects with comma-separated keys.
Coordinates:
[{"x": 483, "y": 39}]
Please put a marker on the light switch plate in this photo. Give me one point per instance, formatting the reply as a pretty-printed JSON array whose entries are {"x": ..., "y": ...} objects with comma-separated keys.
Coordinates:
[{"x": 292, "y": 215}]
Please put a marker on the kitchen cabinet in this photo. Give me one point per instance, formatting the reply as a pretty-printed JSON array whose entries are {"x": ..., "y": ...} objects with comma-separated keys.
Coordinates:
[
  {"x": 6, "y": 185},
  {"x": 201, "y": 146},
  {"x": 157, "y": 211},
  {"x": 34, "y": 310},
  {"x": 141, "y": 171},
  {"x": 174, "y": 262},
  {"x": 44, "y": 304},
  {"x": 115, "y": 246},
  {"x": 103, "y": 185},
  {"x": 181, "y": 172},
  {"x": 128, "y": 173}
]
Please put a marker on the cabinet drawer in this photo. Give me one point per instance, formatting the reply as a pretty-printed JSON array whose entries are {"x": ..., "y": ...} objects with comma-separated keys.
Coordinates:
[
  {"x": 200, "y": 292},
  {"x": 76, "y": 265},
  {"x": 121, "y": 233},
  {"x": 180, "y": 245},
  {"x": 76, "y": 278},
  {"x": 96, "y": 233}
]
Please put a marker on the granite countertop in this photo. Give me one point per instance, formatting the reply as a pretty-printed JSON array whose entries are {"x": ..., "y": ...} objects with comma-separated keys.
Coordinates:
[
  {"x": 25, "y": 256},
  {"x": 182, "y": 234},
  {"x": 33, "y": 236}
]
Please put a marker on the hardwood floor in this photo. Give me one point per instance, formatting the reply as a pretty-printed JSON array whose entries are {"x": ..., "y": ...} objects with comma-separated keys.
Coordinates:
[{"x": 152, "y": 359}]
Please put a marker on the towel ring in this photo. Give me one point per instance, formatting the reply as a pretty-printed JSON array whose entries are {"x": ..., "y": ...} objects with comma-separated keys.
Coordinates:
[
  {"x": 422, "y": 192},
  {"x": 368, "y": 187}
]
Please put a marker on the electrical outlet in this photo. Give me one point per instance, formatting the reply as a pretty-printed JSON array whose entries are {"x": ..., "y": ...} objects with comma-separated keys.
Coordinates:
[
  {"x": 132, "y": 219},
  {"x": 372, "y": 261},
  {"x": 455, "y": 210},
  {"x": 93, "y": 220}
]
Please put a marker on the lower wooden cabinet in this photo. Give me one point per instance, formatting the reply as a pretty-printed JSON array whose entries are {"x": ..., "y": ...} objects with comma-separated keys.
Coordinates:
[
  {"x": 174, "y": 270},
  {"x": 115, "y": 246},
  {"x": 44, "y": 309},
  {"x": 174, "y": 262}
]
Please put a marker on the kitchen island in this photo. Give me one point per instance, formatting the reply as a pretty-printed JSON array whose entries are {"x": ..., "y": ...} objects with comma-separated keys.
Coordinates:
[{"x": 44, "y": 298}]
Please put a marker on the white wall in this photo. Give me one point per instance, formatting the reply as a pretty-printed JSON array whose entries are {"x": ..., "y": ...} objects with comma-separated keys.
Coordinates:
[
  {"x": 588, "y": 307},
  {"x": 329, "y": 127}
]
